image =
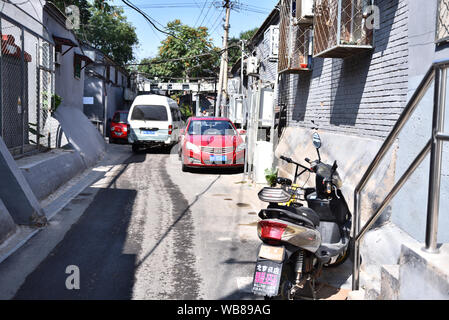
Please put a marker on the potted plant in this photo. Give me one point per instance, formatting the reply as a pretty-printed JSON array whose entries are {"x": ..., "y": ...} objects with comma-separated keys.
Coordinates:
[{"x": 270, "y": 176}]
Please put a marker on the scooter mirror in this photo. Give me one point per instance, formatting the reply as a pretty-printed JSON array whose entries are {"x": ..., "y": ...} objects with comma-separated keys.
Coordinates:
[{"x": 316, "y": 140}]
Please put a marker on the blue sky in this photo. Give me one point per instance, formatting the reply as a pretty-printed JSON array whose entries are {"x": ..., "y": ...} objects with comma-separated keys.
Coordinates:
[{"x": 193, "y": 13}]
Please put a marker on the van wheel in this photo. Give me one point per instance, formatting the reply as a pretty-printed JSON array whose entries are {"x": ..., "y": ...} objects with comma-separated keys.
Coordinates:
[{"x": 135, "y": 148}]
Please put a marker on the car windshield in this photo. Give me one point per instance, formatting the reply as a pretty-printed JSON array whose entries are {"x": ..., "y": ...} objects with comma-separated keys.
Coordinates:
[
  {"x": 211, "y": 127},
  {"x": 150, "y": 113},
  {"x": 120, "y": 117}
]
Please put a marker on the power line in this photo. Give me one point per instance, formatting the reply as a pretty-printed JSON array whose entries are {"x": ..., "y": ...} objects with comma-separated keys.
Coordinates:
[
  {"x": 129, "y": 4},
  {"x": 212, "y": 52},
  {"x": 217, "y": 22},
  {"x": 202, "y": 9},
  {"x": 205, "y": 16}
]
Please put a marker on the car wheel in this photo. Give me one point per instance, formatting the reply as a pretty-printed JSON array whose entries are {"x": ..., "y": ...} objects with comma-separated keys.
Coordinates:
[
  {"x": 135, "y": 148},
  {"x": 185, "y": 168},
  {"x": 112, "y": 140}
]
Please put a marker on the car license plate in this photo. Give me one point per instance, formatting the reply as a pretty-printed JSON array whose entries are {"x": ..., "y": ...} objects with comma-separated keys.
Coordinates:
[
  {"x": 217, "y": 158},
  {"x": 271, "y": 253},
  {"x": 148, "y": 132},
  {"x": 267, "y": 278}
]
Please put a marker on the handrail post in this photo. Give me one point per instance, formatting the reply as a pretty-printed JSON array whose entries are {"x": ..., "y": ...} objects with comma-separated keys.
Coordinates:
[
  {"x": 356, "y": 243},
  {"x": 436, "y": 154}
]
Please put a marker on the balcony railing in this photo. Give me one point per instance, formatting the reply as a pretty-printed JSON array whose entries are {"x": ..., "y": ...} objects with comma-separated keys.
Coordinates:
[
  {"x": 340, "y": 28},
  {"x": 295, "y": 37}
]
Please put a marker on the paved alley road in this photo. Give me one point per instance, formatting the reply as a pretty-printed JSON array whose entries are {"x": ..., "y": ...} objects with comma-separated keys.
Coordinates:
[{"x": 154, "y": 232}]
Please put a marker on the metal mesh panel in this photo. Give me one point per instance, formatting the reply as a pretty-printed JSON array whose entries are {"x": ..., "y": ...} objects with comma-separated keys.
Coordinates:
[
  {"x": 294, "y": 40},
  {"x": 26, "y": 89},
  {"x": 46, "y": 90},
  {"x": 442, "y": 31},
  {"x": 284, "y": 27},
  {"x": 300, "y": 46},
  {"x": 353, "y": 30},
  {"x": 13, "y": 91},
  {"x": 340, "y": 23},
  {"x": 31, "y": 85},
  {"x": 325, "y": 25}
]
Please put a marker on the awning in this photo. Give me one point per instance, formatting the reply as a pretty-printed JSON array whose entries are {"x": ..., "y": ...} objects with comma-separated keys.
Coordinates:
[
  {"x": 9, "y": 48},
  {"x": 64, "y": 42},
  {"x": 84, "y": 58}
]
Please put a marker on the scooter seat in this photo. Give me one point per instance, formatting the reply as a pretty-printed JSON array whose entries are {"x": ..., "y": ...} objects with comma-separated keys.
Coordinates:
[
  {"x": 292, "y": 214},
  {"x": 306, "y": 212}
]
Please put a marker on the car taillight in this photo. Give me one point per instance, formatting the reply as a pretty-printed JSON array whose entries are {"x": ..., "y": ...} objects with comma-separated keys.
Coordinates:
[
  {"x": 270, "y": 231},
  {"x": 170, "y": 129}
]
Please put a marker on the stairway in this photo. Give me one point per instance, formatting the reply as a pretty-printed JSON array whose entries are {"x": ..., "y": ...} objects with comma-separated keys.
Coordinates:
[{"x": 417, "y": 276}]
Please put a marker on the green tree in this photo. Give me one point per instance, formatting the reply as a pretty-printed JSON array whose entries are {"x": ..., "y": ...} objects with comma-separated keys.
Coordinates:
[
  {"x": 235, "y": 52},
  {"x": 110, "y": 32},
  {"x": 105, "y": 27},
  {"x": 184, "y": 42}
]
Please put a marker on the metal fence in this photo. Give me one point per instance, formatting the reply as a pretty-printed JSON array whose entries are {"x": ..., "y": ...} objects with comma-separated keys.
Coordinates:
[
  {"x": 442, "y": 30},
  {"x": 294, "y": 41},
  {"x": 26, "y": 90},
  {"x": 340, "y": 23}
]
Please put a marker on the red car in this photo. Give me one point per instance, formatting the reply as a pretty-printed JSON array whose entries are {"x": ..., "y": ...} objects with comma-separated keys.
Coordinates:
[
  {"x": 119, "y": 128},
  {"x": 211, "y": 142}
]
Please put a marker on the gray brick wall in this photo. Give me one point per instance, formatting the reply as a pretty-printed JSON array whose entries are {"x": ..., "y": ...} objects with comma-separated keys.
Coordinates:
[
  {"x": 268, "y": 68},
  {"x": 360, "y": 95}
]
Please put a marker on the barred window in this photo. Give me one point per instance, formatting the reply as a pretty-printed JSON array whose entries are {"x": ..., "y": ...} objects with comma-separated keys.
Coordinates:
[{"x": 442, "y": 30}]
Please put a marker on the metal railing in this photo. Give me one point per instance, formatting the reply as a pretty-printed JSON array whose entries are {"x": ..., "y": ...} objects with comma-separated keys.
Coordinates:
[{"x": 438, "y": 75}]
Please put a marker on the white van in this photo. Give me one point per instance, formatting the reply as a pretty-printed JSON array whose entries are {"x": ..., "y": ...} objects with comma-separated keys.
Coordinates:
[{"x": 154, "y": 120}]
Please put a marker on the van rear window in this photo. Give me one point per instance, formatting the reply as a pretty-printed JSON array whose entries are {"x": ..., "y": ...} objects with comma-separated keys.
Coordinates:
[{"x": 150, "y": 113}]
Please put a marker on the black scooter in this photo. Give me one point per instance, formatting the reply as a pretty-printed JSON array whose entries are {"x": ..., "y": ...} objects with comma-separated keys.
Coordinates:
[{"x": 299, "y": 241}]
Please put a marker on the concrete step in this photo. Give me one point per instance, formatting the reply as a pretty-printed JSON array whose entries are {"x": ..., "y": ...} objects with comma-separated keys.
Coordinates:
[
  {"x": 423, "y": 275},
  {"x": 389, "y": 286},
  {"x": 356, "y": 295}
]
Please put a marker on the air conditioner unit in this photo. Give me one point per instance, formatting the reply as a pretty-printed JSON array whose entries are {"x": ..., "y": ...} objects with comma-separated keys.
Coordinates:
[
  {"x": 271, "y": 37},
  {"x": 302, "y": 11},
  {"x": 252, "y": 67},
  {"x": 306, "y": 9},
  {"x": 58, "y": 58}
]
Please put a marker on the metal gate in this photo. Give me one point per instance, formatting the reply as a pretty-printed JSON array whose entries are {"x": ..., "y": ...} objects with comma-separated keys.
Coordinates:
[{"x": 26, "y": 88}]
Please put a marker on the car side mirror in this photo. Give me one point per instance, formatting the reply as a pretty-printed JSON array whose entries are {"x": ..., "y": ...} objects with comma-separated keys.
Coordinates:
[{"x": 241, "y": 131}]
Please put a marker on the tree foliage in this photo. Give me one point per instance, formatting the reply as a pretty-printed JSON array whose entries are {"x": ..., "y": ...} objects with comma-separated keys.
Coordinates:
[
  {"x": 184, "y": 42},
  {"x": 105, "y": 27},
  {"x": 235, "y": 52}
]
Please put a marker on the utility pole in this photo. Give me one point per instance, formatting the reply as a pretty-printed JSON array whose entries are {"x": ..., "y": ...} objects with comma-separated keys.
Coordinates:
[{"x": 222, "y": 83}]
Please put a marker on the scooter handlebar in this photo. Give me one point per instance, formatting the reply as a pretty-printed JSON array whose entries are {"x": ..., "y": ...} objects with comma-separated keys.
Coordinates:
[{"x": 289, "y": 160}]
